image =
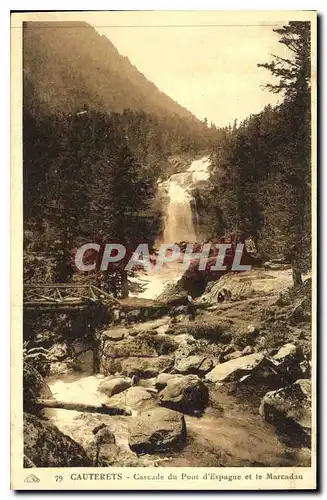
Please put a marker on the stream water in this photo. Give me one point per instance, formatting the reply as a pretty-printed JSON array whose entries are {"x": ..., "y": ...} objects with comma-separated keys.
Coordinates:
[{"x": 229, "y": 433}]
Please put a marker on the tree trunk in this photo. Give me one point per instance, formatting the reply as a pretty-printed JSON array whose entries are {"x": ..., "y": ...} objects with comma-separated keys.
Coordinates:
[
  {"x": 104, "y": 409},
  {"x": 297, "y": 276},
  {"x": 124, "y": 285}
]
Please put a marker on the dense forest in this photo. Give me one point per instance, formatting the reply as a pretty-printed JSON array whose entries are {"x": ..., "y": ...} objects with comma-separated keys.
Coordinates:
[
  {"x": 98, "y": 136},
  {"x": 261, "y": 170}
]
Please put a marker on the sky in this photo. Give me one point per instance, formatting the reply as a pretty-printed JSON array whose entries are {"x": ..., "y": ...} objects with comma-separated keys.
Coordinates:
[
  {"x": 211, "y": 71},
  {"x": 206, "y": 61}
]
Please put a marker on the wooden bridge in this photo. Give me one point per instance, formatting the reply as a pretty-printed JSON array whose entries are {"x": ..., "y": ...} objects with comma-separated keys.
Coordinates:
[{"x": 64, "y": 296}]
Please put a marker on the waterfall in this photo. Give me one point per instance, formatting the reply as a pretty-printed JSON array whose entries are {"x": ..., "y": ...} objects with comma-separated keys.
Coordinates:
[{"x": 179, "y": 216}]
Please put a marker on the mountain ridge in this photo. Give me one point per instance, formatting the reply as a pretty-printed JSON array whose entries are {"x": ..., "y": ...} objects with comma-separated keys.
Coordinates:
[{"x": 65, "y": 68}]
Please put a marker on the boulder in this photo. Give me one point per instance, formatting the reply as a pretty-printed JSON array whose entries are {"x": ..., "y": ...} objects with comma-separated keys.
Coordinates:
[
  {"x": 127, "y": 348},
  {"x": 155, "y": 430},
  {"x": 34, "y": 387},
  {"x": 115, "y": 335},
  {"x": 114, "y": 386},
  {"x": 289, "y": 408},
  {"x": 199, "y": 365},
  {"x": 47, "y": 446},
  {"x": 187, "y": 394},
  {"x": 84, "y": 362},
  {"x": 138, "y": 398},
  {"x": 162, "y": 379},
  {"x": 233, "y": 355},
  {"x": 135, "y": 399},
  {"x": 289, "y": 350},
  {"x": 235, "y": 369},
  {"x": 105, "y": 449},
  {"x": 143, "y": 367}
]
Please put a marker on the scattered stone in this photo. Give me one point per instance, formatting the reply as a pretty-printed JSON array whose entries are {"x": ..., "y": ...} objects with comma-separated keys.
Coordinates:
[
  {"x": 114, "y": 386},
  {"x": 198, "y": 365},
  {"x": 233, "y": 355},
  {"x": 47, "y": 446},
  {"x": 34, "y": 387},
  {"x": 187, "y": 394},
  {"x": 84, "y": 362},
  {"x": 143, "y": 367},
  {"x": 289, "y": 350},
  {"x": 113, "y": 335},
  {"x": 138, "y": 399},
  {"x": 247, "y": 350},
  {"x": 235, "y": 369},
  {"x": 157, "y": 430},
  {"x": 128, "y": 348},
  {"x": 289, "y": 409}
]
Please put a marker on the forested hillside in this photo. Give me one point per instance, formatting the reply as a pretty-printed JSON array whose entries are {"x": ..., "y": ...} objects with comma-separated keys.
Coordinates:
[
  {"x": 69, "y": 64},
  {"x": 98, "y": 136},
  {"x": 261, "y": 172}
]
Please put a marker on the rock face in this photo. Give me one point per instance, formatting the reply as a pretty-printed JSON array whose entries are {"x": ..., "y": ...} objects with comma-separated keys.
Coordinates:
[
  {"x": 84, "y": 362},
  {"x": 289, "y": 409},
  {"x": 113, "y": 335},
  {"x": 186, "y": 394},
  {"x": 34, "y": 387},
  {"x": 156, "y": 430},
  {"x": 106, "y": 450},
  {"x": 198, "y": 365},
  {"x": 289, "y": 350},
  {"x": 143, "y": 367},
  {"x": 114, "y": 386},
  {"x": 128, "y": 348},
  {"x": 235, "y": 368},
  {"x": 47, "y": 446}
]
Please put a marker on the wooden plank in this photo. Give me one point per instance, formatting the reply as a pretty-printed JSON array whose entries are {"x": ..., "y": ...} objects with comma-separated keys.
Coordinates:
[{"x": 104, "y": 409}]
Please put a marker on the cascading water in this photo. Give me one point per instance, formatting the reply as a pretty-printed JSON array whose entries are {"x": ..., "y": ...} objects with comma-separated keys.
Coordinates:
[
  {"x": 180, "y": 218},
  {"x": 179, "y": 224}
]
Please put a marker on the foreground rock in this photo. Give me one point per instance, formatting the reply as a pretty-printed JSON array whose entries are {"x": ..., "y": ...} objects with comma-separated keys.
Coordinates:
[
  {"x": 198, "y": 365},
  {"x": 235, "y": 369},
  {"x": 186, "y": 394},
  {"x": 158, "y": 429},
  {"x": 142, "y": 367},
  {"x": 114, "y": 386},
  {"x": 135, "y": 400},
  {"x": 47, "y": 446},
  {"x": 34, "y": 387},
  {"x": 289, "y": 409}
]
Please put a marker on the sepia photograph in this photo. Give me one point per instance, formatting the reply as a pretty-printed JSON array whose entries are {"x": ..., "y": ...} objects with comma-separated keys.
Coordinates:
[{"x": 164, "y": 201}]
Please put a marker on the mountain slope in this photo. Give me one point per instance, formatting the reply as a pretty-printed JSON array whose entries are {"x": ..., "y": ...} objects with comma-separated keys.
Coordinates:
[{"x": 67, "y": 65}]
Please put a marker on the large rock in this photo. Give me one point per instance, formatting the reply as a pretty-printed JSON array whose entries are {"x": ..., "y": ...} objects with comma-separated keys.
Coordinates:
[
  {"x": 114, "y": 386},
  {"x": 289, "y": 409},
  {"x": 47, "y": 446},
  {"x": 34, "y": 387},
  {"x": 103, "y": 450},
  {"x": 142, "y": 367},
  {"x": 113, "y": 335},
  {"x": 127, "y": 348},
  {"x": 198, "y": 365},
  {"x": 289, "y": 350},
  {"x": 158, "y": 429},
  {"x": 186, "y": 394},
  {"x": 84, "y": 362},
  {"x": 235, "y": 369},
  {"x": 135, "y": 399}
]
